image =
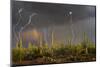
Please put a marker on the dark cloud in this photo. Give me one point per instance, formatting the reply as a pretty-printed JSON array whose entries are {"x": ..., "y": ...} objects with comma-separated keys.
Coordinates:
[
  {"x": 55, "y": 17},
  {"x": 50, "y": 13}
]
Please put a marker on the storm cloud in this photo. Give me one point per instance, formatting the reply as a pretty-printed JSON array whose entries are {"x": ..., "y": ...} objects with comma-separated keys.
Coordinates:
[{"x": 57, "y": 17}]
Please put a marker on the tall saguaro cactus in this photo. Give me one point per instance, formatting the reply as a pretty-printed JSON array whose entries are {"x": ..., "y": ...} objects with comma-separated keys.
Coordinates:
[
  {"x": 84, "y": 43},
  {"x": 52, "y": 39}
]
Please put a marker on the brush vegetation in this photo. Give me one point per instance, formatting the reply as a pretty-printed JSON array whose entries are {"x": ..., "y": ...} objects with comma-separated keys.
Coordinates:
[{"x": 56, "y": 53}]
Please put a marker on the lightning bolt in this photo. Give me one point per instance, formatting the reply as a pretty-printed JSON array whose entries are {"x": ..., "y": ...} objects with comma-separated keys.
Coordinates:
[
  {"x": 29, "y": 22},
  {"x": 72, "y": 31},
  {"x": 14, "y": 29}
]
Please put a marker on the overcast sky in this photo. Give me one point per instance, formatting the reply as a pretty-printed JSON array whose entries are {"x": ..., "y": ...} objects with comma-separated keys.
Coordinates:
[{"x": 57, "y": 17}]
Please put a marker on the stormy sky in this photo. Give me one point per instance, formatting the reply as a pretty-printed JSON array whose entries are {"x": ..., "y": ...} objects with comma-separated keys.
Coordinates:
[{"x": 64, "y": 20}]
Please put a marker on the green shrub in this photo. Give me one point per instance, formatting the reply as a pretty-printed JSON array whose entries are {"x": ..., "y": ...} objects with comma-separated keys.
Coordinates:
[
  {"x": 18, "y": 54},
  {"x": 33, "y": 50}
]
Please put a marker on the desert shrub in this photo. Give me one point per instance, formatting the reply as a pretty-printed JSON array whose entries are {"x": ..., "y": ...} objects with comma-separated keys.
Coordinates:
[
  {"x": 74, "y": 49},
  {"x": 15, "y": 55},
  {"x": 33, "y": 51},
  {"x": 79, "y": 47},
  {"x": 92, "y": 50},
  {"x": 45, "y": 50},
  {"x": 18, "y": 54},
  {"x": 60, "y": 50}
]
